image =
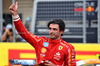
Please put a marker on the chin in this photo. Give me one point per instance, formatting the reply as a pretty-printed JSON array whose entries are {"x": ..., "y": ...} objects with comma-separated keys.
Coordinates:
[{"x": 52, "y": 37}]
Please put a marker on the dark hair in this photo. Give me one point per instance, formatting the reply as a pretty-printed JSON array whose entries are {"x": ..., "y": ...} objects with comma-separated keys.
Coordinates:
[
  {"x": 4, "y": 24},
  {"x": 59, "y": 22}
]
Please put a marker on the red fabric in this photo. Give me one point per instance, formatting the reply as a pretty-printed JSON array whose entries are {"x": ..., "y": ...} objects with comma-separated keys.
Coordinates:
[{"x": 58, "y": 52}]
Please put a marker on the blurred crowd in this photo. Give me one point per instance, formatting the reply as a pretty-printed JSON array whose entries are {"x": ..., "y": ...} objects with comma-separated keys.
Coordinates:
[{"x": 7, "y": 33}]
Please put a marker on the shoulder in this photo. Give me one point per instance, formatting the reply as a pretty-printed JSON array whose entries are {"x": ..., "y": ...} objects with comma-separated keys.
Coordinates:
[
  {"x": 38, "y": 38},
  {"x": 66, "y": 47},
  {"x": 44, "y": 38},
  {"x": 71, "y": 47},
  {"x": 67, "y": 44}
]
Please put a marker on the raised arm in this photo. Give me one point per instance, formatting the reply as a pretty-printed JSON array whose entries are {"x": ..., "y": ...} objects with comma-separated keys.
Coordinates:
[{"x": 32, "y": 39}]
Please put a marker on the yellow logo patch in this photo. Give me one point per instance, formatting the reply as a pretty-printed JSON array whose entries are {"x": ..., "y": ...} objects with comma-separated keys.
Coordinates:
[
  {"x": 43, "y": 50},
  {"x": 60, "y": 47}
]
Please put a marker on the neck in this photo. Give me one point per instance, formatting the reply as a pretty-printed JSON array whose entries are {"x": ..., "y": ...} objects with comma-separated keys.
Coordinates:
[{"x": 55, "y": 39}]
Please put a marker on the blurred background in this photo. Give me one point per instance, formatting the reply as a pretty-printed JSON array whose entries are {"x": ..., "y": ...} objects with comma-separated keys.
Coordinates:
[{"x": 82, "y": 19}]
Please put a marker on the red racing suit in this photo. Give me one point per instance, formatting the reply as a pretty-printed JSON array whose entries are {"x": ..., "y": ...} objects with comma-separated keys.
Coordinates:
[{"x": 58, "y": 52}]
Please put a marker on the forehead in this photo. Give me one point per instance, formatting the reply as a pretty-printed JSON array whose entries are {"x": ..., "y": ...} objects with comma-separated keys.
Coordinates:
[{"x": 54, "y": 26}]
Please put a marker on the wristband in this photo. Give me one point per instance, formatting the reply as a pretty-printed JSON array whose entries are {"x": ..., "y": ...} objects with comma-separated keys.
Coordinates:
[{"x": 15, "y": 18}]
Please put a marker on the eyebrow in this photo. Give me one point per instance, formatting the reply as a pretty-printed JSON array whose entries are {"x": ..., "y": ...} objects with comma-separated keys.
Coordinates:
[{"x": 53, "y": 28}]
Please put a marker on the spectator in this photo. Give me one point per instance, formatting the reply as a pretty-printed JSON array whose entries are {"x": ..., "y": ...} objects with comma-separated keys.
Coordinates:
[
  {"x": 27, "y": 24},
  {"x": 7, "y": 35}
]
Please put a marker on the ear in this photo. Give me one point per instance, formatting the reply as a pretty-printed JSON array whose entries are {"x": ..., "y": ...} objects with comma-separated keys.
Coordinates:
[{"x": 61, "y": 32}]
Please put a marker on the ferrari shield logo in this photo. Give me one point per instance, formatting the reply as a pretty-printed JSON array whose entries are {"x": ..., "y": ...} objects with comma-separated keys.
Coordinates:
[{"x": 60, "y": 47}]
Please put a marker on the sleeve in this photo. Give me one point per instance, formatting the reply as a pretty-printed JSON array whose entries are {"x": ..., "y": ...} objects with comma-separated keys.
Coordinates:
[
  {"x": 73, "y": 55},
  {"x": 32, "y": 39},
  {"x": 67, "y": 57},
  {"x": 70, "y": 57}
]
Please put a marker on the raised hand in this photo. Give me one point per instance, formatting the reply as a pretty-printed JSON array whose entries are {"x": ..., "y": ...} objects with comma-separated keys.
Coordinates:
[{"x": 13, "y": 9}]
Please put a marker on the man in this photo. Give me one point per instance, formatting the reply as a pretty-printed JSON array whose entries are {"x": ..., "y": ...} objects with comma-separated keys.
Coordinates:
[
  {"x": 7, "y": 35},
  {"x": 51, "y": 51}
]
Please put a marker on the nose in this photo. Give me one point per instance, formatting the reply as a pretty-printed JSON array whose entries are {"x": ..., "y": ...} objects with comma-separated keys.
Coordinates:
[{"x": 51, "y": 30}]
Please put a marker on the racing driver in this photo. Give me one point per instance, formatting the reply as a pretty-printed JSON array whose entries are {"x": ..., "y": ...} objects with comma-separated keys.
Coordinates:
[{"x": 52, "y": 51}]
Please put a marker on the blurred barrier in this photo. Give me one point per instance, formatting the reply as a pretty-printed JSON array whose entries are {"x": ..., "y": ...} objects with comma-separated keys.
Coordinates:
[
  {"x": 26, "y": 51},
  {"x": 86, "y": 50},
  {"x": 15, "y": 51}
]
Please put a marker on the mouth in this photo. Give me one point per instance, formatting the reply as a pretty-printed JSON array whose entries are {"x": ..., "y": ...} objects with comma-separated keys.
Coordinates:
[{"x": 51, "y": 34}]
